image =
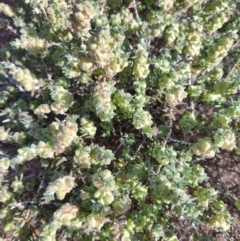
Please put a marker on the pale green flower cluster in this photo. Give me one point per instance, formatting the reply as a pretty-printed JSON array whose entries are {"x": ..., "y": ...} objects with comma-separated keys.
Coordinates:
[
  {"x": 25, "y": 78},
  {"x": 4, "y": 134},
  {"x": 220, "y": 49},
  {"x": 65, "y": 135},
  {"x": 24, "y": 154},
  {"x": 43, "y": 109},
  {"x": 164, "y": 155},
  {"x": 65, "y": 214},
  {"x": 175, "y": 95},
  {"x": 142, "y": 119},
  {"x": 225, "y": 139},
  {"x": 83, "y": 14},
  {"x": 4, "y": 165},
  {"x": 105, "y": 52},
  {"x": 87, "y": 127},
  {"x": 141, "y": 63},
  {"x": 194, "y": 40},
  {"x": 62, "y": 99},
  {"x": 123, "y": 101},
  {"x": 61, "y": 187},
  {"x": 86, "y": 156},
  {"x": 105, "y": 183},
  {"x": 7, "y": 10},
  {"x": 102, "y": 102},
  {"x": 125, "y": 19},
  {"x": 204, "y": 148},
  {"x": 34, "y": 45}
]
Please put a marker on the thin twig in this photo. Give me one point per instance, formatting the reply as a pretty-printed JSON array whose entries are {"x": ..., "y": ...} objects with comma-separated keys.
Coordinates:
[
  {"x": 35, "y": 201},
  {"x": 180, "y": 142},
  {"x": 201, "y": 159},
  {"x": 140, "y": 146},
  {"x": 170, "y": 129},
  {"x": 30, "y": 202},
  {"x": 45, "y": 67},
  {"x": 41, "y": 184},
  {"x": 44, "y": 13},
  {"x": 231, "y": 71},
  {"x": 122, "y": 143},
  {"x": 13, "y": 31},
  {"x": 136, "y": 11}
]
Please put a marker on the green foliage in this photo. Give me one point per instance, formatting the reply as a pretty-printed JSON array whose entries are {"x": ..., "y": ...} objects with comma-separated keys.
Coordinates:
[{"x": 110, "y": 99}]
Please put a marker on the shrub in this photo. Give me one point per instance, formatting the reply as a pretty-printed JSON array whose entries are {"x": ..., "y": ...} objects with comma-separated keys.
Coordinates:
[{"x": 106, "y": 97}]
